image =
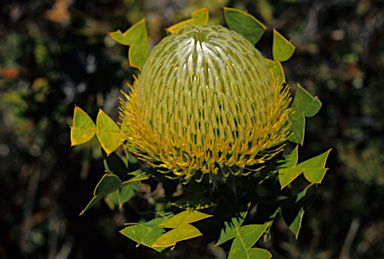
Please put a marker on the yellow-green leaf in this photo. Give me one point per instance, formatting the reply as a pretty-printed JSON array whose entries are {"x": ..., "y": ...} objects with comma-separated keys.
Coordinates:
[
  {"x": 314, "y": 168},
  {"x": 246, "y": 237},
  {"x": 277, "y": 70},
  {"x": 135, "y": 37},
  {"x": 304, "y": 105},
  {"x": 245, "y": 24},
  {"x": 288, "y": 171},
  {"x": 184, "y": 217},
  {"x": 108, "y": 133},
  {"x": 282, "y": 49},
  {"x": 83, "y": 128},
  {"x": 145, "y": 234},
  {"x": 182, "y": 230},
  {"x": 230, "y": 228},
  {"x": 199, "y": 17},
  {"x": 170, "y": 238},
  {"x": 110, "y": 183}
]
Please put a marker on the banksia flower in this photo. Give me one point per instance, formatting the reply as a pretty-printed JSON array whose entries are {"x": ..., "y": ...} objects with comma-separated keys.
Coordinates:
[{"x": 205, "y": 103}]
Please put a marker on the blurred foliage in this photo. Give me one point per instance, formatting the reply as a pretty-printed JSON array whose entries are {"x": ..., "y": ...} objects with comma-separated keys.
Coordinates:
[{"x": 55, "y": 53}]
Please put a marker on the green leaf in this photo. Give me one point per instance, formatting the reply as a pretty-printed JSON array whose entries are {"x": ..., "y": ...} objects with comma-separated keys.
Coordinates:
[
  {"x": 118, "y": 198},
  {"x": 108, "y": 133},
  {"x": 287, "y": 175},
  {"x": 145, "y": 234},
  {"x": 258, "y": 253},
  {"x": 127, "y": 192},
  {"x": 107, "y": 183},
  {"x": 185, "y": 217},
  {"x": 118, "y": 165},
  {"x": 245, "y": 24},
  {"x": 314, "y": 170},
  {"x": 245, "y": 239},
  {"x": 298, "y": 128},
  {"x": 289, "y": 160},
  {"x": 304, "y": 105},
  {"x": 292, "y": 209},
  {"x": 195, "y": 201},
  {"x": 288, "y": 170},
  {"x": 182, "y": 230},
  {"x": 199, "y": 17},
  {"x": 110, "y": 183},
  {"x": 230, "y": 228},
  {"x": 83, "y": 128},
  {"x": 282, "y": 49},
  {"x": 135, "y": 37},
  {"x": 277, "y": 70}
]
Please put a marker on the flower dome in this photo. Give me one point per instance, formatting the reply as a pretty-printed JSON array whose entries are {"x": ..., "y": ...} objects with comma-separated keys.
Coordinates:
[{"x": 205, "y": 104}]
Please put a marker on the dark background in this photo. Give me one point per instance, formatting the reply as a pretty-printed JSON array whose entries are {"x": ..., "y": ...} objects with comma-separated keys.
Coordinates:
[{"x": 54, "y": 54}]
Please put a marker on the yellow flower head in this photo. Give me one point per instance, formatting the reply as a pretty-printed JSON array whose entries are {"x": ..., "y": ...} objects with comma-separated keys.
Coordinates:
[{"x": 205, "y": 103}]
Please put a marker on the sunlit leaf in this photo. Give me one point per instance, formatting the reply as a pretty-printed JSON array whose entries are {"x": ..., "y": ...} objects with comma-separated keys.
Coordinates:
[
  {"x": 135, "y": 37},
  {"x": 304, "y": 105},
  {"x": 282, "y": 49},
  {"x": 182, "y": 230},
  {"x": 246, "y": 237},
  {"x": 108, "y": 132},
  {"x": 199, "y": 17},
  {"x": 314, "y": 170},
  {"x": 288, "y": 170},
  {"x": 145, "y": 234},
  {"x": 83, "y": 128},
  {"x": 245, "y": 24},
  {"x": 110, "y": 183},
  {"x": 184, "y": 217}
]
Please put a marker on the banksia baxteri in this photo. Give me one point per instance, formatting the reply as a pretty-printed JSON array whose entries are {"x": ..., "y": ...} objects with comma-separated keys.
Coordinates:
[{"x": 206, "y": 103}]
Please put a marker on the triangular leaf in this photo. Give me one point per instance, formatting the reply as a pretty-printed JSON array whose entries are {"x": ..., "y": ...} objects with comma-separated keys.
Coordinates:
[
  {"x": 287, "y": 175},
  {"x": 304, "y": 105},
  {"x": 314, "y": 170},
  {"x": 186, "y": 231},
  {"x": 230, "y": 228},
  {"x": 110, "y": 183},
  {"x": 292, "y": 209},
  {"x": 186, "y": 216},
  {"x": 244, "y": 24},
  {"x": 199, "y": 17},
  {"x": 289, "y": 160},
  {"x": 282, "y": 49},
  {"x": 277, "y": 70},
  {"x": 83, "y": 128},
  {"x": 145, "y": 234},
  {"x": 182, "y": 230},
  {"x": 246, "y": 237},
  {"x": 108, "y": 133},
  {"x": 135, "y": 37}
]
